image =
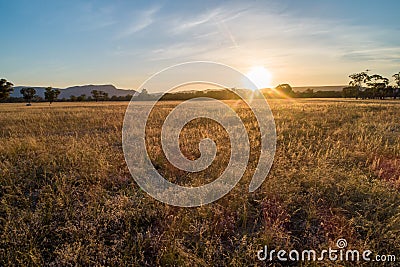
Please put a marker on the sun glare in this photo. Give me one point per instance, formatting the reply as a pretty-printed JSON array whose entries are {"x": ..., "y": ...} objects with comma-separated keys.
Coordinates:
[{"x": 260, "y": 76}]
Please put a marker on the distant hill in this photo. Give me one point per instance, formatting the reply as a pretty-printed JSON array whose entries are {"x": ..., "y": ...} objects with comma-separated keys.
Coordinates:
[{"x": 78, "y": 90}]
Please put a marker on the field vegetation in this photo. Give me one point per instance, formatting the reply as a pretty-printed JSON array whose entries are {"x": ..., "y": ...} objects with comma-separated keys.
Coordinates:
[{"x": 67, "y": 197}]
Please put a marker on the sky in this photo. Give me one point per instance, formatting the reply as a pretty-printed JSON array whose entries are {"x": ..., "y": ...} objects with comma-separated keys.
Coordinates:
[{"x": 303, "y": 43}]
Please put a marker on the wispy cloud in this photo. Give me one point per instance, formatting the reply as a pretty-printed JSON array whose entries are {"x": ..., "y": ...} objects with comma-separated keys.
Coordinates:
[
  {"x": 140, "y": 21},
  {"x": 94, "y": 18},
  {"x": 243, "y": 36},
  {"x": 386, "y": 54},
  {"x": 183, "y": 25}
]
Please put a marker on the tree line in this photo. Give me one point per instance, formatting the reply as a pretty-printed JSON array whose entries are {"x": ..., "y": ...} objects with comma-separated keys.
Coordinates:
[
  {"x": 51, "y": 95},
  {"x": 375, "y": 86},
  {"x": 362, "y": 85}
]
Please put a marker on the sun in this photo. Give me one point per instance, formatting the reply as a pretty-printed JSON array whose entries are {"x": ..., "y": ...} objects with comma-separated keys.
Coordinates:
[{"x": 260, "y": 76}]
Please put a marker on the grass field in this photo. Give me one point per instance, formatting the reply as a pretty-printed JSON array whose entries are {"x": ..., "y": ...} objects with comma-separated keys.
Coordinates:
[{"x": 67, "y": 197}]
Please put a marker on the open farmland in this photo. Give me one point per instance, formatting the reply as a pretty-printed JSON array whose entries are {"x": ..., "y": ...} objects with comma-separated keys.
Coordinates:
[{"x": 67, "y": 197}]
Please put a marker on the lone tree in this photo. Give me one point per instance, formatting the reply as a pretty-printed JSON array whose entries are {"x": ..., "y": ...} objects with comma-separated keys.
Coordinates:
[
  {"x": 51, "y": 94},
  {"x": 28, "y": 93},
  {"x": 6, "y": 88},
  {"x": 285, "y": 89}
]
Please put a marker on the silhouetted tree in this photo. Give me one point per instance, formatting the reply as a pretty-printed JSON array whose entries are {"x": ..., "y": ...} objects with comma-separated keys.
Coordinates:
[
  {"x": 378, "y": 85},
  {"x": 285, "y": 89},
  {"x": 6, "y": 88},
  {"x": 95, "y": 95},
  {"x": 358, "y": 80},
  {"x": 371, "y": 86},
  {"x": 28, "y": 93},
  {"x": 51, "y": 94},
  {"x": 397, "y": 79}
]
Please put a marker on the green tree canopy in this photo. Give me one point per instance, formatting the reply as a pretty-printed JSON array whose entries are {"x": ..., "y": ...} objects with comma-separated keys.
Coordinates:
[
  {"x": 28, "y": 93},
  {"x": 51, "y": 94},
  {"x": 6, "y": 88}
]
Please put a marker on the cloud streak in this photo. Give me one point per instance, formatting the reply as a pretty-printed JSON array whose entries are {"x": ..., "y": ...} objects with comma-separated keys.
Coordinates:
[{"x": 141, "y": 20}]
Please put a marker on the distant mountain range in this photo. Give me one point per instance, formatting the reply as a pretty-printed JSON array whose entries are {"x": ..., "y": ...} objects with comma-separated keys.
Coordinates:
[{"x": 78, "y": 90}]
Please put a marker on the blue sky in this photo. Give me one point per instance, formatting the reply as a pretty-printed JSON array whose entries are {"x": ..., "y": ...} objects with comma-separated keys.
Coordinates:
[{"x": 65, "y": 43}]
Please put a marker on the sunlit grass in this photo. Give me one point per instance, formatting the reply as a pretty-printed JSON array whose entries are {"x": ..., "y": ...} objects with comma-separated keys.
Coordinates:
[{"x": 67, "y": 196}]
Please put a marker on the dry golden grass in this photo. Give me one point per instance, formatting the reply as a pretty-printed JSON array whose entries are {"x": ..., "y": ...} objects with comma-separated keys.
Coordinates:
[{"x": 67, "y": 197}]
